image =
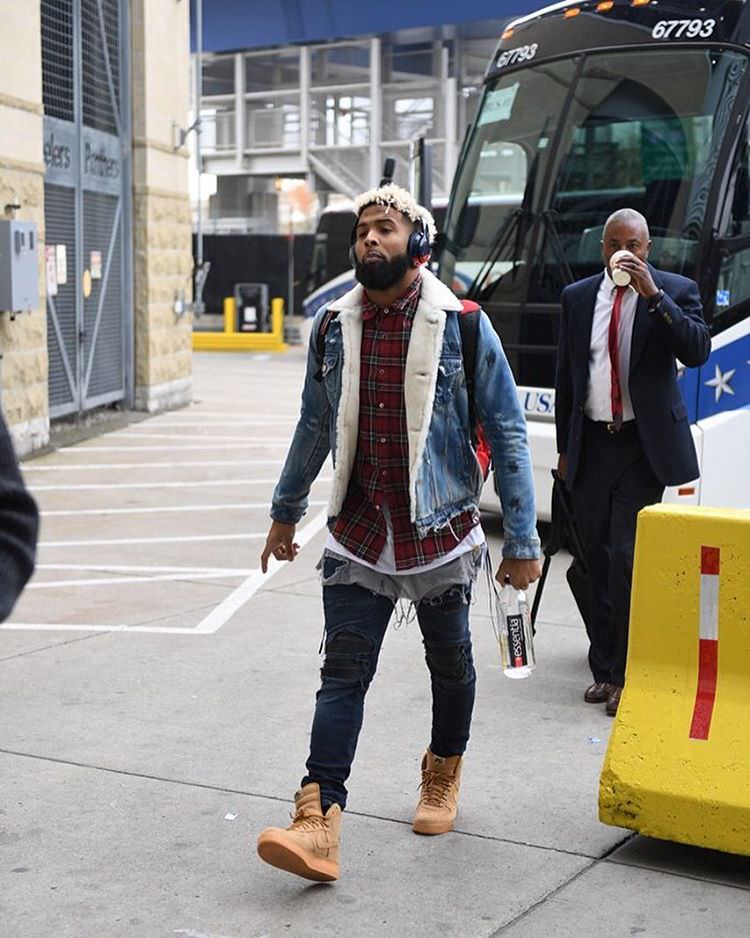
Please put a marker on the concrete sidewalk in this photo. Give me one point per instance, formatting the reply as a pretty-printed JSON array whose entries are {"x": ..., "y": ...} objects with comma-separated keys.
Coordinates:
[{"x": 156, "y": 703}]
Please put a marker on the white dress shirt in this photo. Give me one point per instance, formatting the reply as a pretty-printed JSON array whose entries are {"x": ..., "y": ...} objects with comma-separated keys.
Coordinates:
[{"x": 599, "y": 395}]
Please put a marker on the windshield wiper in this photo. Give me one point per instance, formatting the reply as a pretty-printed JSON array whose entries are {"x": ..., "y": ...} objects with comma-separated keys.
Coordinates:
[
  {"x": 502, "y": 236},
  {"x": 549, "y": 219},
  {"x": 519, "y": 220}
]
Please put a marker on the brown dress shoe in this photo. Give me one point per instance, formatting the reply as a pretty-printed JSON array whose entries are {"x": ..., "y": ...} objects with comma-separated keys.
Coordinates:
[
  {"x": 613, "y": 701},
  {"x": 598, "y": 692}
]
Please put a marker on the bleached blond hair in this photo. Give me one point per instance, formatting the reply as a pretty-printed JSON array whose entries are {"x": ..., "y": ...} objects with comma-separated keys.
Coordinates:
[{"x": 403, "y": 201}]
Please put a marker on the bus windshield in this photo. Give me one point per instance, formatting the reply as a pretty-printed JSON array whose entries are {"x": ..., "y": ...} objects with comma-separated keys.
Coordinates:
[
  {"x": 503, "y": 161},
  {"x": 555, "y": 149}
]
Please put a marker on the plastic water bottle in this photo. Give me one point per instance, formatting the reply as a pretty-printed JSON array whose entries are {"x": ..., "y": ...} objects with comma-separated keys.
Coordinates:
[{"x": 516, "y": 635}]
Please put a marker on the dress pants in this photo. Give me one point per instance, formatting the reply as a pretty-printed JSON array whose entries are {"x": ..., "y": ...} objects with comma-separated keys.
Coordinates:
[{"x": 613, "y": 482}]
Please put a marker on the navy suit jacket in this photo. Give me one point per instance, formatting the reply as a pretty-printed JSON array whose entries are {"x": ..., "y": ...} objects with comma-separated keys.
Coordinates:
[{"x": 676, "y": 330}]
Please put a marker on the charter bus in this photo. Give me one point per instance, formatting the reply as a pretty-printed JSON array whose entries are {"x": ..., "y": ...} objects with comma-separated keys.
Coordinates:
[{"x": 591, "y": 107}]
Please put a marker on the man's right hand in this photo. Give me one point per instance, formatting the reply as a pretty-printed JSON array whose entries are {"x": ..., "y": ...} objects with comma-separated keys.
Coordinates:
[
  {"x": 562, "y": 466},
  {"x": 280, "y": 543}
]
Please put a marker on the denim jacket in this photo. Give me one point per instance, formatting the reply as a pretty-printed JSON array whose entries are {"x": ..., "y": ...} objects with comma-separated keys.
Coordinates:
[{"x": 445, "y": 478}]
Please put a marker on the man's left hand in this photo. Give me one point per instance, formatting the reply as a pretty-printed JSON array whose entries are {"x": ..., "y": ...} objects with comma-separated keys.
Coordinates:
[
  {"x": 640, "y": 276},
  {"x": 519, "y": 573}
]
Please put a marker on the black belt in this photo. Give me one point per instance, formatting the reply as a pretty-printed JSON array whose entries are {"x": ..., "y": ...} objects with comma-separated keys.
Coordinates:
[{"x": 610, "y": 427}]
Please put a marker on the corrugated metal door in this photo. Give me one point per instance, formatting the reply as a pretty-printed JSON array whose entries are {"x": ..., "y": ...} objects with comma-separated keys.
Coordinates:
[{"x": 87, "y": 202}]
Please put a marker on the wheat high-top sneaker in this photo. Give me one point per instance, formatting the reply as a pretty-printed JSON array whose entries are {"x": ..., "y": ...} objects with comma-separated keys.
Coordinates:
[
  {"x": 309, "y": 847},
  {"x": 438, "y": 801}
]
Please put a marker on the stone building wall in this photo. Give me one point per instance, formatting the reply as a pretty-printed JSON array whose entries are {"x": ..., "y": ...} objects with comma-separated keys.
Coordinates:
[
  {"x": 161, "y": 223},
  {"x": 23, "y": 339},
  {"x": 161, "y": 210}
]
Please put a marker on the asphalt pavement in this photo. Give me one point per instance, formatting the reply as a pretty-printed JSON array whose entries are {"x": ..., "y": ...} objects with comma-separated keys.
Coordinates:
[{"x": 156, "y": 695}]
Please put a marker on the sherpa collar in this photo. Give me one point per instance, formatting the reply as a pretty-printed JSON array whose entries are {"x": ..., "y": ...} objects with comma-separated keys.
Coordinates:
[{"x": 420, "y": 378}]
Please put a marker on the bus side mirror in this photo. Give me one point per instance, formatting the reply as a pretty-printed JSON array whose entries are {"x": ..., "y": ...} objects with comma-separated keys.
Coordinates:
[{"x": 467, "y": 225}]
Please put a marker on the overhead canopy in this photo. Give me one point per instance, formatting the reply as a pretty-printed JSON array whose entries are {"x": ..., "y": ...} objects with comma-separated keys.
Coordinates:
[{"x": 248, "y": 24}]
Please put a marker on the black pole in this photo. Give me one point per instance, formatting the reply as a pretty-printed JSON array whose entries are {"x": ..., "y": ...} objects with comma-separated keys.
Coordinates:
[
  {"x": 424, "y": 190},
  {"x": 389, "y": 167}
]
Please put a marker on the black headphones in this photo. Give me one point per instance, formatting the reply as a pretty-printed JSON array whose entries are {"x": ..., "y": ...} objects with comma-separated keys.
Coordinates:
[{"x": 417, "y": 247}]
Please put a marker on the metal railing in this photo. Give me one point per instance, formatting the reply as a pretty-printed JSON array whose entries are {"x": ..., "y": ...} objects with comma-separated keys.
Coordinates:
[{"x": 327, "y": 119}]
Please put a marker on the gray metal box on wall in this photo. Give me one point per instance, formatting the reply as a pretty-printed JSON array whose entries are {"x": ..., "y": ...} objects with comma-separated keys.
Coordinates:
[{"x": 19, "y": 266}]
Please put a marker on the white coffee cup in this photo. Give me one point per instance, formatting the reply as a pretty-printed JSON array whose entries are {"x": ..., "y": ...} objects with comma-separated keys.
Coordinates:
[{"x": 621, "y": 277}]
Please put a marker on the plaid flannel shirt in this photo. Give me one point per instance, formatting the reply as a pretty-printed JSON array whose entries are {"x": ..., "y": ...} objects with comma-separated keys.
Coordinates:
[{"x": 380, "y": 476}]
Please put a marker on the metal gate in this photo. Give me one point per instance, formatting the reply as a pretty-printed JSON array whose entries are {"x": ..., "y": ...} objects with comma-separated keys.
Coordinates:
[{"x": 87, "y": 208}]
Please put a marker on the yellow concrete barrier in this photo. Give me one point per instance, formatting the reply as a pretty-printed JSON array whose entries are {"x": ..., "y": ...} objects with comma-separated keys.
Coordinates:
[
  {"x": 232, "y": 341},
  {"x": 678, "y": 762}
]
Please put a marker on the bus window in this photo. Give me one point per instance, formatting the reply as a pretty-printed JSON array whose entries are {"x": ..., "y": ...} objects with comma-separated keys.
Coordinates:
[
  {"x": 318, "y": 271},
  {"x": 733, "y": 287},
  {"x": 504, "y": 160},
  {"x": 640, "y": 136}
]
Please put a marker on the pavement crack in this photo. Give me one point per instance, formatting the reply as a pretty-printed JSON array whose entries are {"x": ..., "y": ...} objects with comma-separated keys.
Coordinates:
[
  {"x": 526, "y": 843},
  {"x": 550, "y": 894},
  {"x": 476, "y": 836},
  {"x": 284, "y": 591},
  {"x": 284, "y": 800},
  {"x": 547, "y": 895},
  {"x": 144, "y": 775},
  {"x": 660, "y": 869},
  {"x": 171, "y": 615},
  {"x": 70, "y": 641}
]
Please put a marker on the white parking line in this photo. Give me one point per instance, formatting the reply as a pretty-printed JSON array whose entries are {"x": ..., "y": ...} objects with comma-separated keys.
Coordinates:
[
  {"x": 87, "y": 450},
  {"x": 183, "y": 539},
  {"x": 210, "y": 624},
  {"x": 70, "y": 467},
  {"x": 248, "y": 429},
  {"x": 235, "y": 506},
  {"x": 52, "y": 627},
  {"x": 236, "y": 600},
  {"x": 109, "y": 581},
  {"x": 181, "y": 436},
  {"x": 155, "y": 485},
  {"x": 140, "y": 568},
  {"x": 248, "y": 424}
]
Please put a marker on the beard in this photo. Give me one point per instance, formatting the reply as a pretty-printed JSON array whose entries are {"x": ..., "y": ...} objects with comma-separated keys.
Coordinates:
[{"x": 382, "y": 275}]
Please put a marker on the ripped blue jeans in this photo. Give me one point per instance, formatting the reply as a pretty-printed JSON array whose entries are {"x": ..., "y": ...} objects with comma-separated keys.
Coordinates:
[{"x": 355, "y": 624}]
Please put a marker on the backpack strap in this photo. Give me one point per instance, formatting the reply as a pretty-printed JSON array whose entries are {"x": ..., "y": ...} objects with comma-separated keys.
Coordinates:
[
  {"x": 320, "y": 339},
  {"x": 468, "y": 323}
]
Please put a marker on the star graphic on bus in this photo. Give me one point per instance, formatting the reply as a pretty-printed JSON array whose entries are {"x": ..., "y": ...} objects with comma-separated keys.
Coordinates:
[{"x": 720, "y": 382}]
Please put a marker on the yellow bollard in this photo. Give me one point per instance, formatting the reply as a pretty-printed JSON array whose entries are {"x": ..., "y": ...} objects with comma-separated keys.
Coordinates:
[
  {"x": 230, "y": 340},
  {"x": 277, "y": 318},
  {"x": 230, "y": 314},
  {"x": 678, "y": 762}
]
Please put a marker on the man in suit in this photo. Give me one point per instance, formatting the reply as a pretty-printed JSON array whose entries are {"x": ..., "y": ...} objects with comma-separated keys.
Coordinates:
[{"x": 622, "y": 426}]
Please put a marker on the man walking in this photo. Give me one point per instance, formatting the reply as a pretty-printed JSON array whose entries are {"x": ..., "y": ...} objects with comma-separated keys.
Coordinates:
[
  {"x": 385, "y": 392},
  {"x": 622, "y": 425}
]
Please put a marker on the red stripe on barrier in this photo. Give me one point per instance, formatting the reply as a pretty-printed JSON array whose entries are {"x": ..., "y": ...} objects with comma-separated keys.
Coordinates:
[
  {"x": 710, "y": 560},
  {"x": 708, "y": 665}
]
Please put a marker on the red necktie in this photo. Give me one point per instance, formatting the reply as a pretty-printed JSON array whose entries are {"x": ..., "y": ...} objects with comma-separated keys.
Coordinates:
[{"x": 614, "y": 358}]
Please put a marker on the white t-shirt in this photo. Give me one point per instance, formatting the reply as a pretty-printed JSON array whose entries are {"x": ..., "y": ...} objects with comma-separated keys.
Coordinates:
[{"x": 386, "y": 562}]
